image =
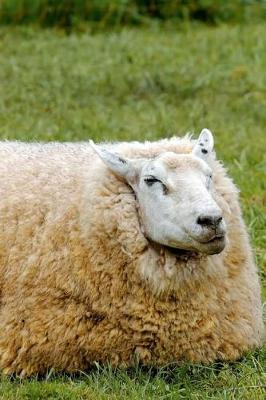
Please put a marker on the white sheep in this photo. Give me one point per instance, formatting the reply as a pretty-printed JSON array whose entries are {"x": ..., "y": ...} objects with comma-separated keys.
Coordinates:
[{"x": 137, "y": 253}]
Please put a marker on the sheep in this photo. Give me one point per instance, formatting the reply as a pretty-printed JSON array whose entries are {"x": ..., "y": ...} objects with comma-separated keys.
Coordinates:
[{"x": 122, "y": 253}]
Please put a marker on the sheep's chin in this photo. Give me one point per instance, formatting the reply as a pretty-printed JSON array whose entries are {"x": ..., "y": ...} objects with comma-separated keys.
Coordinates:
[
  {"x": 214, "y": 246},
  {"x": 181, "y": 252},
  {"x": 176, "y": 252},
  {"x": 206, "y": 249}
]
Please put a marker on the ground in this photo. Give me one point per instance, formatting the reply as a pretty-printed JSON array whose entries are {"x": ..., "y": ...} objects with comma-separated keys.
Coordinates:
[{"x": 135, "y": 85}]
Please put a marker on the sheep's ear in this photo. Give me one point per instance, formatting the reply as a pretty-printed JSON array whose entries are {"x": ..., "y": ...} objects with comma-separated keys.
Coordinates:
[
  {"x": 204, "y": 145},
  {"x": 119, "y": 165}
]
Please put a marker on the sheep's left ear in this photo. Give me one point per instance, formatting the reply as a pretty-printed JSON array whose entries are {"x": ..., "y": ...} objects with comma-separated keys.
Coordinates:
[
  {"x": 121, "y": 166},
  {"x": 204, "y": 145},
  {"x": 116, "y": 163}
]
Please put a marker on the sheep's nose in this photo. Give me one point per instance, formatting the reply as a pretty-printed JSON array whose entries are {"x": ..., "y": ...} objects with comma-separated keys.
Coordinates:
[{"x": 210, "y": 221}]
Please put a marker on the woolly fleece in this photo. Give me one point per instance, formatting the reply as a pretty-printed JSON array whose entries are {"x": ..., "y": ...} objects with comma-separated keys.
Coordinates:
[{"x": 80, "y": 283}]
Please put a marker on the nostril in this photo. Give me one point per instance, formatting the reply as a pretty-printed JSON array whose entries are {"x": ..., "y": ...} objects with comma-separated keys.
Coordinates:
[
  {"x": 205, "y": 220},
  {"x": 209, "y": 220}
]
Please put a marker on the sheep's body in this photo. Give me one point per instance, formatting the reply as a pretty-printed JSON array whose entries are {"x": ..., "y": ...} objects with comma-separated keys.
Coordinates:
[{"x": 80, "y": 283}]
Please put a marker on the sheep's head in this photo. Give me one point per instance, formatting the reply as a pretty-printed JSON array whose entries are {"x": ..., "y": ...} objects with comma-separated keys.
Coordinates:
[{"x": 175, "y": 196}]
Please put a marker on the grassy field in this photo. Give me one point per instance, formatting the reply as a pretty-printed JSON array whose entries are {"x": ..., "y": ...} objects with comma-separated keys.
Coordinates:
[{"x": 146, "y": 84}]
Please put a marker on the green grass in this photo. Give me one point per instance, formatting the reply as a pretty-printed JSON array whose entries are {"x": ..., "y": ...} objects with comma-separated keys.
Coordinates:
[
  {"x": 136, "y": 85},
  {"x": 241, "y": 380}
]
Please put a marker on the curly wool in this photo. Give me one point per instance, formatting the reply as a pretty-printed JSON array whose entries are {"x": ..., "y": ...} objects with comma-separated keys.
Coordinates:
[{"x": 80, "y": 283}]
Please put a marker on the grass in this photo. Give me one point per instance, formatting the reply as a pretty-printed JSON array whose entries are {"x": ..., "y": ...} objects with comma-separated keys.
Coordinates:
[
  {"x": 242, "y": 380},
  {"x": 136, "y": 85}
]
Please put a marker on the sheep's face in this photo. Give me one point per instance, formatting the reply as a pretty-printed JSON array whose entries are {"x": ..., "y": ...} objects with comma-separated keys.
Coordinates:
[
  {"x": 176, "y": 205},
  {"x": 175, "y": 197}
]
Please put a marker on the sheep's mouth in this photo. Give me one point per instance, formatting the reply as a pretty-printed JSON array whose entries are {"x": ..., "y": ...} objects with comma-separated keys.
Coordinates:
[
  {"x": 211, "y": 246},
  {"x": 214, "y": 239},
  {"x": 215, "y": 245}
]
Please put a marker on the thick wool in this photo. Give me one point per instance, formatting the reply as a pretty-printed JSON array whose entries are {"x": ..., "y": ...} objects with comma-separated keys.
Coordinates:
[{"x": 80, "y": 283}]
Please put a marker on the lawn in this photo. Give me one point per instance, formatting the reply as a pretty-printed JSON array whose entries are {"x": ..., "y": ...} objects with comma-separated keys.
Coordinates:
[{"x": 139, "y": 84}]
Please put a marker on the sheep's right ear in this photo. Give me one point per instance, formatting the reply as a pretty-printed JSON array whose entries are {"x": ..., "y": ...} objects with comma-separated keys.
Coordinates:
[
  {"x": 119, "y": 165},
  {"x": 204, "y": 145}
]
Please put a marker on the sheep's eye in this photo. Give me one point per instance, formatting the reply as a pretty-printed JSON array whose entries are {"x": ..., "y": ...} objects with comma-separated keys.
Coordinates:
[{"x": 151, "y": 180}]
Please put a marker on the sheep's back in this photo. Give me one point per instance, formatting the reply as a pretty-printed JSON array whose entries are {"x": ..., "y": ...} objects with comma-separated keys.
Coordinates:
[{"x": 40, "y": 187}]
